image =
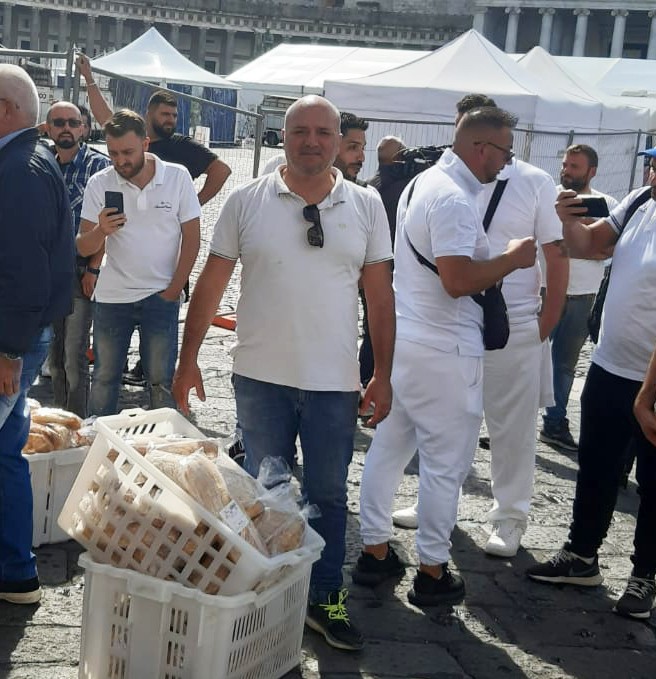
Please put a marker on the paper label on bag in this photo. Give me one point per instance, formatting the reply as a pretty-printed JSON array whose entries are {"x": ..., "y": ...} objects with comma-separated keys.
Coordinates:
[{"x": 233, "y": 517}]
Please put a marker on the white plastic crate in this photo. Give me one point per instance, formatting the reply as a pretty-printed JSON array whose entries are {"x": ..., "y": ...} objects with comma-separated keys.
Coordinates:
[
  {"x": 138, "y": 627},
  {"x": 129, "y": 514},
  {"x": 52, "y": 476}
]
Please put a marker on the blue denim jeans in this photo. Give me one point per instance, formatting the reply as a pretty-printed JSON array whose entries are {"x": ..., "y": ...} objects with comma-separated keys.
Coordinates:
[
  {"x": 69, "y": 365},
  {"x": 16, "y": 559},
  {"x": 567, "y": 339},
  {"x": 113, "y": 325},
  {"x": 271, "y": 416}
]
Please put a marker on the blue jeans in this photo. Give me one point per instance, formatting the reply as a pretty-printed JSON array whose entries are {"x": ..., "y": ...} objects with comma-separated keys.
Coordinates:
[
  {"x": 271, "y": 416},
  {"x": 567, "y": 339},
  {"x": 16, "y": 559},
  {"x": 113, "y": 325},
  {"x": 69, "y": 365}
]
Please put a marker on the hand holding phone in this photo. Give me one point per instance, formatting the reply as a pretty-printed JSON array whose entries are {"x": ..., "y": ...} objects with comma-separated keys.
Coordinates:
[
  {"x": 596, "y": 206},
  {"x": 112, "y": 216}
]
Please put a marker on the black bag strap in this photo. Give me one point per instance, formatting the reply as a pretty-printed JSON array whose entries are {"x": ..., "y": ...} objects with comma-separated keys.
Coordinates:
[
  {"x": 494, "y": 202},
  {"x": 640, "y": 199}
]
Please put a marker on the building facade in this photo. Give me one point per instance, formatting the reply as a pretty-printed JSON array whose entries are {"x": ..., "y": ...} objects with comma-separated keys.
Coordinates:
[{"x": 222, "y": 35}]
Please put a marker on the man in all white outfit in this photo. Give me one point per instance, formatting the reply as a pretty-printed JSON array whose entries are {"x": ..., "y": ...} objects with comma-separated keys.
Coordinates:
[
  {"x": 437, "y": 372},
  {"x": 516, "y": 379}
]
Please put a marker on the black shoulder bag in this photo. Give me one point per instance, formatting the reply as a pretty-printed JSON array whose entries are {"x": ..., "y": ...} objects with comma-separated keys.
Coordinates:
[
  {"x": 496, "y": 327},
  {"x": 594, "y": 319}
]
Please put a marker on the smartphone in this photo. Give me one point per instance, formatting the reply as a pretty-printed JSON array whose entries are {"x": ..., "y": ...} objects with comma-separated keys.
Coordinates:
[
  {"x": 114, "y": 199},
  {"x": 596, "y": 205}
]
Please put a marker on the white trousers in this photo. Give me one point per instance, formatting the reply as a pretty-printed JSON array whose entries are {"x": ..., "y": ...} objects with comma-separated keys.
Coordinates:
[
  {"x": 437, "y": 409},
  {"x": 511, "y": 398}
]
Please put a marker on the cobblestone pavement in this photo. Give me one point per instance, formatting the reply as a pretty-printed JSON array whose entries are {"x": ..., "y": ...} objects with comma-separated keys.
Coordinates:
[{"x": 507, "y": 627}]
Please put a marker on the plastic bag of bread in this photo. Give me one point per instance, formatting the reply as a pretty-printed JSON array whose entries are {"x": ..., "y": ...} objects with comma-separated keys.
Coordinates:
[
  {"x": 282, "y": 531},
  {"x": 243, "y": 488},
  {"x": 43, "y": 438},
  {"x": 56, "y": 416},
  {"x": 187, "y": 446},
  {"x": 32, "y": 403}
]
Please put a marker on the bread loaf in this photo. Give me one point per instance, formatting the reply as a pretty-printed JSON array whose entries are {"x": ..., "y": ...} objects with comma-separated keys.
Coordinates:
[
  {"x": 281, "y": 531},
  {"x": 56, "y": 416}
]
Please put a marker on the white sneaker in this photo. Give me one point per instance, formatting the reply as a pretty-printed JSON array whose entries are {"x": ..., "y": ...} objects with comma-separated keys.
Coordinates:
[
  {"x": 506, "y": 537},
  {"x": 406, "y": 518}
]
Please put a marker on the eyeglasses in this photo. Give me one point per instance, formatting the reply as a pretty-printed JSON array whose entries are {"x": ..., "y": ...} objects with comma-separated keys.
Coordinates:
[
  {"x": 60, "y": 122},
  {"x": 510, "y": 154},
  {"x": 315, "y": 232}
]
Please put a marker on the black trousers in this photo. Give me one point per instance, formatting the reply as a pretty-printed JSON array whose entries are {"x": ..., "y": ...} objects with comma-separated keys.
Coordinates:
[{"x": 607, "y": 425}]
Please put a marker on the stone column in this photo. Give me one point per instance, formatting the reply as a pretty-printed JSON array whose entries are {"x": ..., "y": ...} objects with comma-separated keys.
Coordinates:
[
  {"x": 64, "y": 32},
  {"x": 175, "y": 35},
  {"x": 202, "y": 46},
  {"x": 617, "y": 45},
  {"x": 479, "y": 20},
  {"x": 35, "y": 28},
  {"x": 118, "y": 41},
  {"x": 581, "y": 32},
  {"x": 228, "y": 52},
  {"x": 651, "y": 49},
  {"x": 91, "y": 35},
  {"x": 511, "y": 30},
  {"x": 7, "y": 34},
  {"x": 546, "y": 27}
]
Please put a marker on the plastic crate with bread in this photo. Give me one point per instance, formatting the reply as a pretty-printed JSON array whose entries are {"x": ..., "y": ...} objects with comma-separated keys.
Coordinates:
[{"x": 129, "y": 512}]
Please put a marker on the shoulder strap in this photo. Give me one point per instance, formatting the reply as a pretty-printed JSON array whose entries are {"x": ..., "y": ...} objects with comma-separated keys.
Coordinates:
[
  {"x": 494, "y": 202},
  {"x": 641, "y": 199}
]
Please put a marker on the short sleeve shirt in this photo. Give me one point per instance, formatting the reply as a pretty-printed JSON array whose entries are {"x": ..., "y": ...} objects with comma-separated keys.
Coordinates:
[
  {"x": 297, "y": 315},
  {"x": 184, "y": 151}
]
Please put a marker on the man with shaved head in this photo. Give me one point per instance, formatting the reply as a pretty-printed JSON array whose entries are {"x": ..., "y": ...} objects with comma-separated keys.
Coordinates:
[
  {"x": 304, "y": 236},
  {"x": 69, "y": 365},
  {"x": 36, "y": 276}
]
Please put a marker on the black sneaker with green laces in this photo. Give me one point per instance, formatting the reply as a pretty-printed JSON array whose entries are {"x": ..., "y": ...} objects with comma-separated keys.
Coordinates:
[
  {"x": 567, "y": 568},
  {"x": 639, "y": 598},
  {"x": 370, "y": 571},
  {"x": 331, "y": 619}
]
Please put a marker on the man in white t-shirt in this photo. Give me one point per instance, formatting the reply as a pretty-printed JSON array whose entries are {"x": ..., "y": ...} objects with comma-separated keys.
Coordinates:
[
  {"x": 437, "y": 374},
  {"x": 305, "y": 237},
  {"x": 578, "y": 169},
  {"x": 619, "y": 364},
  {"x": 150, "y": 248}
]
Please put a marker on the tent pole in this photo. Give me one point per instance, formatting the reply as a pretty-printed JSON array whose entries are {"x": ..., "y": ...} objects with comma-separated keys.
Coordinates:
[
  {"x": 259, "y": 125},
  {"x": 633, "y": 166},
  {"x": 70, "y": 57}
]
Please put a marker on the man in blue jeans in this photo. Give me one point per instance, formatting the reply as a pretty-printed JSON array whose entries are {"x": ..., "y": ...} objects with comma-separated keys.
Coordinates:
[
  {"x": 36, "y": 283},
  {"x": 305, "y": 237},
  {"x": 150, "y": 248},
  {"x": 579, "y": 167}
]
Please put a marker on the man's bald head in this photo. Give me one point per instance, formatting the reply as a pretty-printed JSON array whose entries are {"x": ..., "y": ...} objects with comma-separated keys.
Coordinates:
[
  {"x": 387, "y": 149},
  {"x": 19, "y": 100},
  {"x": 308, "y": 102}
]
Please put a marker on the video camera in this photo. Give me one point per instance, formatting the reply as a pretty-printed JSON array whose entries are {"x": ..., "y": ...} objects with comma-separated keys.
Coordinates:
[{"x": 412, "y": 161}]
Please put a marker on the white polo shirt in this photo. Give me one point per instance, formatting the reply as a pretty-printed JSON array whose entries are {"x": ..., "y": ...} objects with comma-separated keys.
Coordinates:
[
  {"x": 628, "y": 322},
  {"x": 585, "y": 274},
  {"x": 526, "y": 209},
  {"x": 442, "y": 220},
  {"x": 297, "y": 315},
  {"x": 142, "y": 256}
]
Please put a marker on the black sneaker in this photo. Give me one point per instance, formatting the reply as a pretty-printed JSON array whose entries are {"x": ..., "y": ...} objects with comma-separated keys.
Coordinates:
[
  {"x": 331, "y": 619},
  {"x": 429, "y": 591},
  {"x": 135, "y": 377},
  {"x": 370, "y": 571},
  {"x": 567, "y": 568},
  {"x": 21, "y": 592},
  {"x": 638, "y": 599},
  {"x": 559, "y": 435}
]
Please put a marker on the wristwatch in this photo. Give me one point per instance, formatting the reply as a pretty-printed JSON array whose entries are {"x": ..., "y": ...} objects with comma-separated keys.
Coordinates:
[
  {"x": 9, "y": 356},
  {"x": 95, "y": 272}
]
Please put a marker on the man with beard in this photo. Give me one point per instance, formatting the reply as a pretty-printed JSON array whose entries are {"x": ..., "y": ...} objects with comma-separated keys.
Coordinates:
[
  {"x": 150, "y": 249},
  {"x": 69, "y": 365},
  {"x": 350, "y": 156},
  {"x": 619, "y": 365},
  {"x": 579, "y": 167}
]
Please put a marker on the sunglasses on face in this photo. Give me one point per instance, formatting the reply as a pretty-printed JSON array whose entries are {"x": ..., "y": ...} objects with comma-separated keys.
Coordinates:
[
  {"x": 510, "y": 154},
  {"x": 315, "y": 232},
  {"x": 72, "y": 122}
]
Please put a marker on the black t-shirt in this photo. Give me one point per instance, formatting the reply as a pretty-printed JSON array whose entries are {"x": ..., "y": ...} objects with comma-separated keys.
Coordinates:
[{"x": 185, "y": 151}]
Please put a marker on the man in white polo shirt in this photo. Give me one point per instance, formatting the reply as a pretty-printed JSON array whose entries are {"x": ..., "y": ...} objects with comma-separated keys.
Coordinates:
[
  {"x": 150, "y": 248},
  {"x": 305, "y": 237}
]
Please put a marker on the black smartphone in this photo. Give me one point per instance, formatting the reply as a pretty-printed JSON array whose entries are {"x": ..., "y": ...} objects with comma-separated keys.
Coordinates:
[
  {"x": 114, "y": 199},
  {"x": 596, "y": 205}
]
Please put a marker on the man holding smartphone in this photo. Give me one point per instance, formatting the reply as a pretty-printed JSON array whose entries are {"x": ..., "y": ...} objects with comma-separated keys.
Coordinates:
[
  {"x": 568, "y": 337},
  {"x": 151, "y": 243},
  {"x": 69, "y": 365}
]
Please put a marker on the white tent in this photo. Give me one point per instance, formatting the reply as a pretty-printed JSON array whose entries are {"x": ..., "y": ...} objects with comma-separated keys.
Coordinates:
[
  {"x": 427, "y": 89},
  {"x": 294, "y": 70},
  {"x": 150, "y": 57},
  {"x": 616, "y": 114}
]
